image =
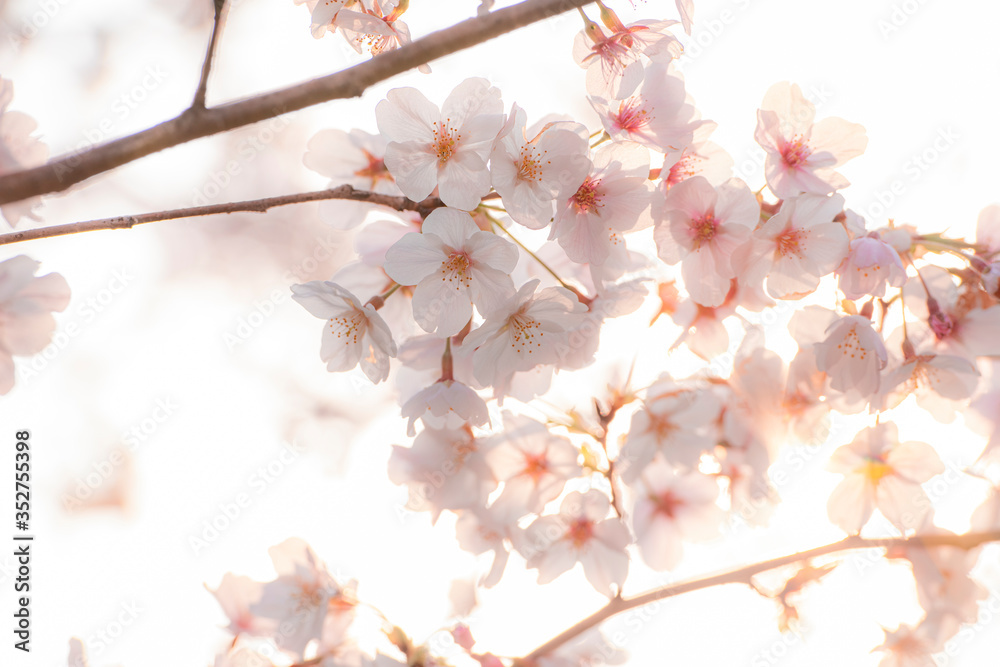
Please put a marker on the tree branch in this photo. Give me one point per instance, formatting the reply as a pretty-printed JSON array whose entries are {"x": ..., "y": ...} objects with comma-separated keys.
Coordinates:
[
  {"x": 743, "y": 575},
  {"x": 254, "y": 206},
  {"x": 194, "y": 123},
  {"x": 199, "y": 95}
]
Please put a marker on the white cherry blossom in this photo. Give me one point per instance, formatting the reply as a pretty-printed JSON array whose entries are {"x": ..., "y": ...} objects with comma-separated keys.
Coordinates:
[
  {"x": 445, "y": 148},
  {"x": 869, "y": 265},
  {"x": 453, "y": 265},
  {"x": 852, "y": 355},
  {"x": 530, "y": 174},
  {"x": 353, "y": 333},
  {"x": 796, "y": 247}
]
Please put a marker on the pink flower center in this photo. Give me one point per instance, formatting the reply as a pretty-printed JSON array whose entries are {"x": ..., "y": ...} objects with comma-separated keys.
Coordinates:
[
  {"x": 667, "y": 504},
  {"x": 941, "y": 324},
  {"x": 632, "y": 116},
  {"x": 790, "y": 242},
  {"x": 535, "y": 465},
  {"x": 446, "y": 139},
  {"x": 587, "y": 199},
  {"x": 375, "y": 170},
  {"x": 795, "y": 152},
  {"x": 349, "y": 326},
  {"x": 580, "y": 532},
  {"x": 661, "y": 425},
  {"x": 682, "y": 169},
  {"x": 703, "y": 230}
]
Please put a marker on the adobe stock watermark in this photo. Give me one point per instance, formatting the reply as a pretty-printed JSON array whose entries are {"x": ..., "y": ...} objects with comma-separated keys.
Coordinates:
[
  {"x": 86, "y": 313},
  {"x": 229, "y": 512},
  {"x": 84, "y": 487},
  {"x": 247, "y": 150},
  {"x": 899, "y": 16},
  {"x": 913, "y": 169},
  {"x": 99, "y": 641},
  {"x": 36, "y": 21},
  {"x": 121, "y": 108}
]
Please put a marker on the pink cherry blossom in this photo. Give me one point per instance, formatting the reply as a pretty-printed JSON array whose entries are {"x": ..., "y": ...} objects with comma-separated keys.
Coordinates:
[
  {"x": 533, "y": 463},
  {"x": 801, "y": 156},
  {"x": 796, "y": 247},
  {"x": 445, "y": 404},
  {"x": 614, "y": 197},
  {"x": 701, "y": 226},
  {"x": 671, "y": 508},
  {"x": 853, "y": 355},
  {"x": 354, "y": 158},
  {"x": 526, "y": 331},
  {"x": 26, "y": 306},
  {"x": 945, "y": 588},
  {"x": 235, "y": 594},
  {"x": 939, "y": 381},
  {"x": 674, "y": 422},
  {"x": 531, "y": 174},
  {"x": 293, "y": 608},
  {"x": 907, "y": 646},
  {"x": 581, "y": 532},
  {"x": 19, "y": 149},
  {"x": 444, "y": 469},
  {"x": 701, "y": 158},
  {"x": 445, "y": 148},
  {"x": 613, "y": 61},
  {"x": 453, "y": 265},
  {"x": 658, "y": 115},
  {"x": 988, "y": 229},
  {"x": 377, "y": 29},
  {"x": 480, "y": 529},
  {"x": 353, "y": 333},
  {"x": 869, "y": 265},
  {"x": 880, "y": 473}
]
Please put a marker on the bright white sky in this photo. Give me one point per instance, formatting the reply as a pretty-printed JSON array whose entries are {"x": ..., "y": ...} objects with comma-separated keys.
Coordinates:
[{"x": 162, "y": 338}]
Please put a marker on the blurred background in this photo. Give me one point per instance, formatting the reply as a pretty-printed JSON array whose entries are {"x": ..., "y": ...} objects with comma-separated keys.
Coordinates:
[{"x": 192, "y": 378}]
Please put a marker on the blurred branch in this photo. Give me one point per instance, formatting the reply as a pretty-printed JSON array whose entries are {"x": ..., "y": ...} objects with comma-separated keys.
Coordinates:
[
  {"x": 199, "y": 95},
  {"x": 254, "y": 206},
  {"x": 194, "y": 123},
  {"x": 743, "y": 575}
]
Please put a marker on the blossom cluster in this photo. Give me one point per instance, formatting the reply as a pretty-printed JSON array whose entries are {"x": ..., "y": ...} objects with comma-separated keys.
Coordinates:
[{"x": 541, "y": 233}]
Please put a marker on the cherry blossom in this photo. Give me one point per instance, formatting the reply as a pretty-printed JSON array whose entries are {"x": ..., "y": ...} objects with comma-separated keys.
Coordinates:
[
  {"x": 19, "y": 149},
  {"x": 796, "y": 247},
  {"x": 453, "y": 265},
  {"x": 581, "y": 532},
  {"x": 853, "y": 355},
  {"x": 671, "y": 508},
  {"x": 513, "y": 337},
  {"x": 293, "y": 609},
  {"x": 675, "y": 422},
  {"x": 907, "y": 646},
  {"x": 479, "y": 530},
  {"x": 701, "y": 226},
  {"x": 26, "y": 306},
  {"x": 945, "y": 588},
  {"x": 802, "y": 156},
  {"x": 353, "y": 334},
  {"x": 613, "y": 62},
  {"x": 530, "y": 174},
  {"x": 880, "y": 473},
  {"x": 614, "y": 197},
  {"x": 379, "y": 28},
  {"x": 446, "y": 148},
  {"x": 869, "y": 265},
  {"x": 445, "y": 404},
  {"x": 658, "y": 115},
  {"x": 533, "y": 463},
  {"x": 939, "y": 381},
  {"x": 701, "y": 158},
  {"x": 444, "y": 469},
  {"x": 235, "y": 594}
]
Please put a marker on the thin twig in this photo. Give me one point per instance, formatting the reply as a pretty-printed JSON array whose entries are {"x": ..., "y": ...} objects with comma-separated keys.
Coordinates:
[
  {"x": 253, "y": 206},
  {"x": 199, "y": 95},
  {"x": 61, "y": 173},
  {"x": 743, "y": 574}
]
